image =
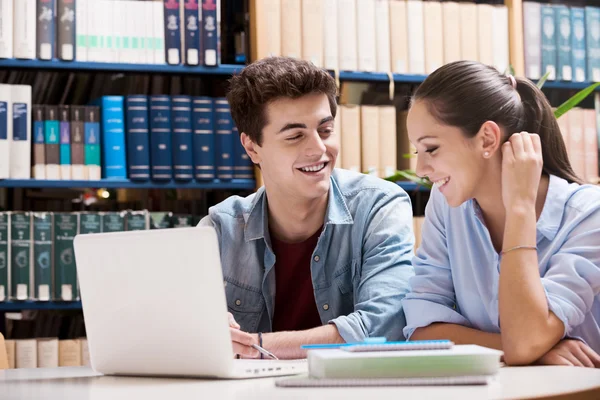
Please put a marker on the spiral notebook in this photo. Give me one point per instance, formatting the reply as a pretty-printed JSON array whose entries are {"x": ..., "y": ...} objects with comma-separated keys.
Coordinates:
[{"x": 305, "y": 381}]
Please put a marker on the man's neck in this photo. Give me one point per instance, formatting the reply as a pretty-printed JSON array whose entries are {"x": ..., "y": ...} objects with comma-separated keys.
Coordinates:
[{"x": 294, "y": 220}]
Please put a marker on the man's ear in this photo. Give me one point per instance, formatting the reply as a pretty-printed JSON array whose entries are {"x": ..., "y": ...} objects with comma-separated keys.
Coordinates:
[
  {"x": 490, "y": 136},
  {"x": 250, "y": 147}
]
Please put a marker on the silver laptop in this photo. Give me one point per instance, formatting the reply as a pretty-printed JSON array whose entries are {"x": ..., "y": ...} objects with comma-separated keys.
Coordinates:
[{"x": 154, "y": 304}]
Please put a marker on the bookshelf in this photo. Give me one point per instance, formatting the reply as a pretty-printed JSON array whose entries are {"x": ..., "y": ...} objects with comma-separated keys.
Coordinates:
[
  {"x": 9, "y": 306},
  {"x": 234, "y": 184},
  {"x": 225, "y": 70}
]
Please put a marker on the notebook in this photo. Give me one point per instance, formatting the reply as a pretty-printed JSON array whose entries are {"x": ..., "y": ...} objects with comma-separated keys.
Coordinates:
[
  {"x": 305, "y": 381},
  {"x": 457, "y": 361}
]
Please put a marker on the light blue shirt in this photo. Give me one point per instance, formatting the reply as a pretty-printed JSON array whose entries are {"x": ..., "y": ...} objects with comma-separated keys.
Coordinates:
[
  {"x": 360, "y": 266},
  {"x": 457, "y": 269}
]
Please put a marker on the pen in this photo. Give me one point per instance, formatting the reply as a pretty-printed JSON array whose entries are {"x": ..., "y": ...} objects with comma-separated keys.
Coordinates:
[{"x": 264, "y": 352}]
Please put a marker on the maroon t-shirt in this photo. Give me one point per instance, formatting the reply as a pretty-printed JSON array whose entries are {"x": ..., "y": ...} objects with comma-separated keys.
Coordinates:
[{"x": 295, "y": 307}]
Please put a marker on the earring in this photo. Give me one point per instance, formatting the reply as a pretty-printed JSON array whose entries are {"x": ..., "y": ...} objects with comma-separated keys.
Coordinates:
[{"x": 486, "y": 154}]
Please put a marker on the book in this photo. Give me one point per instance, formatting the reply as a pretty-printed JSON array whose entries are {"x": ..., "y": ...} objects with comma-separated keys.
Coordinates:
[
  {"x": 6, "y": 28},
  {"x": 181, "y": 117},
  {"x": 563, "y": 43},
  {"x": 204, "y": 137},
  {"x": 64, "y": 115},
  {"x": 67, "y": 29},
  {"x": 5, "y": 130},
  {"x": 39, "y": 140},
  {"x": 460, "y": 360},
  {"x": 24, "y": 33},
  {"x": 65, "y": 271},
  {"x": 138, "y": 137},
  {"x": 160, "y": 138},
  {"x": 20, "y": 147},
  {"x": 46, "y": 25},
  {"x": 52, "y": 142},
  {"x": 578, "y": 44},
  {"x": 304, "y": 381},
  {"x": 549, "y": 41},
  {"x": 4, "y": 256},
  {"x": 43, "y": 239},
  {"x": 192, "y": 32},
  {"x": 211, "y": 33},
  {"x": 21, "y": 266}
]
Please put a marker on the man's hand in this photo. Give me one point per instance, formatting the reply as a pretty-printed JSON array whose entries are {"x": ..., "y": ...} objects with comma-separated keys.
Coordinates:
[
  {"x": 242, "y": 341},
  {"x": 571, "y": 352}
]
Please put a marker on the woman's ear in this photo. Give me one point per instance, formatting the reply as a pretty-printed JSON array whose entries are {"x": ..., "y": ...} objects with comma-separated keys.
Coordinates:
[
  {"x": 490, "y": 139},
  {"x": 250, "y": 147}
]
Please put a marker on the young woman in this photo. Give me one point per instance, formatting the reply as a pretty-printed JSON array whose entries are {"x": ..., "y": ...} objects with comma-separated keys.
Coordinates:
[{"x": 510, "y": 254}]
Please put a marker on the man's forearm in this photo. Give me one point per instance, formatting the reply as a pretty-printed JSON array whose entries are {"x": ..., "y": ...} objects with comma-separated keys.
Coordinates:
[
  {"x": 458, "y": 334},
  {"x": 286, "y": 345}
]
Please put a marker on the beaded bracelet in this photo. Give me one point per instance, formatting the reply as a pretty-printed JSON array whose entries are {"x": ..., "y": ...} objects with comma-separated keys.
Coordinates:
[{"x": 503, "y": 252}]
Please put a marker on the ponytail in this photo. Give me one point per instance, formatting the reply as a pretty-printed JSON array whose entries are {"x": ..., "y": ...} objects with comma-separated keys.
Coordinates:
[{"x": 540, "y": 119}]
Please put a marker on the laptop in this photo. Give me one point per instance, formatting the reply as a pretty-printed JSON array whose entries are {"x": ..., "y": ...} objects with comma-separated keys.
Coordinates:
[{"x": 154, "y": 305}]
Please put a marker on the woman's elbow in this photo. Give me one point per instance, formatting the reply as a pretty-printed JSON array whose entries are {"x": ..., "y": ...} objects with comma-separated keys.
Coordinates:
[{"x": 522, "y": 353}]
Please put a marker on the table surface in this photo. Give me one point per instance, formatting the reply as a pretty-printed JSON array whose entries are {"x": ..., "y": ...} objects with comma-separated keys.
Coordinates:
[{"x": 83, "y": 383}]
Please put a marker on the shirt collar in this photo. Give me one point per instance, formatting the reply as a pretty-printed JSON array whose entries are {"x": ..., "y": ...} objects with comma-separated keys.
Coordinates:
[{"x": 257, "y": 218}]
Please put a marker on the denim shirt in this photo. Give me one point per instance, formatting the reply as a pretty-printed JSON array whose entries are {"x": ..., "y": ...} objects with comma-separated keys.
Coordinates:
[
  {"x": 458, "y": 270},
  {"x": 360, "y": 266}
]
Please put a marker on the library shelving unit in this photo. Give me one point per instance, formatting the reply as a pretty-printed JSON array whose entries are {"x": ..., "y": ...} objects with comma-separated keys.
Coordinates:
[
  {"x": 10, "y": 306},
  {"x": 225, "y": 70}
]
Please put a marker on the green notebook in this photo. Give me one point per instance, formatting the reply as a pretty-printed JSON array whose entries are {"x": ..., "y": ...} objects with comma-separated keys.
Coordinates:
[{"x": 460, "y": 360}]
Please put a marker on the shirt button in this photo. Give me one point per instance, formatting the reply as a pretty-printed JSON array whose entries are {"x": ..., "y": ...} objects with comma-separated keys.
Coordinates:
[
  {"x": 238, "y": 302},
  {"x": 317, "y": 258},
  {"x": 325, "y": 307}
]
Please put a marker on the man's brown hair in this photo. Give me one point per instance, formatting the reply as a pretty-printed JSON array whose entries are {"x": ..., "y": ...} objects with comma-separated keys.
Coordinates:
[{"x": 269, "y": 79}]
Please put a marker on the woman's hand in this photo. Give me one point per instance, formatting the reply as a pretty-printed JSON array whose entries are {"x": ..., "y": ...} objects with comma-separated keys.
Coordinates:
[
  {"x": 571, "y": 352},
  {"x": 522, "y": 165}
]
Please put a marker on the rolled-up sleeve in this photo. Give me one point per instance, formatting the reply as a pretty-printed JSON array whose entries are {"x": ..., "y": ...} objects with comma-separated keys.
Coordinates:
[
  {"x": 431, "y": 297},
  {"x": 572, "y": 279},
  {"x": 387, "y": 250}
]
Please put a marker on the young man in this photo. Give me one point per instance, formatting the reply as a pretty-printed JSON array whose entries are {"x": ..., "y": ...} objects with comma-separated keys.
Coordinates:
[{"x": 317, "y": 255}]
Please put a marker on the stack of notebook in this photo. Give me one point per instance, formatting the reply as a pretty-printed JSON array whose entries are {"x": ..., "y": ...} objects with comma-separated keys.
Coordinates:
[{"x": 418, "y": 364}]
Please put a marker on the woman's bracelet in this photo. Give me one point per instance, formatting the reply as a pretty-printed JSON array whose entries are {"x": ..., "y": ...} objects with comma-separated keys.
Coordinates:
[{"x": 503, "y": 252}]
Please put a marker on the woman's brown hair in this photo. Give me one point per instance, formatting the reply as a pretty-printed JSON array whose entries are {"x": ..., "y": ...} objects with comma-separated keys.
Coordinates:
[{"x": 465, "y": 94}]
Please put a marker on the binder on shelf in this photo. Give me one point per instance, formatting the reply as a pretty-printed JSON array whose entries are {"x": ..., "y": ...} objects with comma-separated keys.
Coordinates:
[
  {"x": 138, "y": 137},
  {"x": 172, "y": 27},
  {"x": 52, "y": 142},
  {"x": 92, "y": 142},
  {"x": 43, "y": 224},
  {"x": 114, "y": 164},
  {"x": 578, "y": 44},
  {"x": 66, "y": 18},
  {"x": 20, "y": 146},
  {"x": 192, "y": 31},
  {"x": 5, "y": 130},
  {"x": 5, "y": 256},
  {"x": 46, "y": 23},
  {"x": 203, "y": 124},
  {"x": 21, "y": 275},
  {"x": 65, "y": 271},
  {"x": 224, "y": 139},
  {"x": 64, "y": 115},
  {"x": 39, "y": 143},
  {"x": 24, "y": 34},
  {"x": 564, "y": 32},
  {"x": 160, "y": 138},
  {"x": 77, "y": 130},
  {"x": 6, "y": 28},
  {"x": 181, "y": 115}
]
